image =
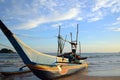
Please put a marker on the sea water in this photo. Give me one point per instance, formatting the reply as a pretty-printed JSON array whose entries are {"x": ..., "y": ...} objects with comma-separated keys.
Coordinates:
[
  {"x": 104, "y": 64},
  {"x": 100, "y": 64}
]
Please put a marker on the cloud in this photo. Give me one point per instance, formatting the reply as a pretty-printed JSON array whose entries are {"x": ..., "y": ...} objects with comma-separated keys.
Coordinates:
[
  {"x": 30, "y": 14},
  {"x": 109, "y": 5},
  {"x": 57, "y": 25},
  {"x": 118, "y": 19},
  {"x": 79, "y": 18},
  {"x": 71, "y": 14},
  {"x": 116, "y": 7},
  {"x": 114, "y": 29},
  {"x": 117, "y": 22},
  {"x": 95, "y": 16},
  {"x": 99, "y": 4},
  {"x": 103, "y": 8},
  {"x": 93, "y": 10},
  {"x": 2, "y": 0},
  {"x": 115, "y": 25},
  {"x": 94, "y": 19}
]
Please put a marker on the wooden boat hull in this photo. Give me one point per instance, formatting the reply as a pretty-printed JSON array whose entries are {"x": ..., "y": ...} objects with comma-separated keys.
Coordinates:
[{"x": 52, "y": 72}]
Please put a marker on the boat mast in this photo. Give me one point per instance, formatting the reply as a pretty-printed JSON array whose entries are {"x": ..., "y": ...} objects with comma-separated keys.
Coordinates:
[
  {"x": 74, "y": 43},
  {"x": 61, "y": 42},
  {"x": 77, "y": 36},
  {"x": 71, "y": 41},
  {"x": 58, "y": 51}
]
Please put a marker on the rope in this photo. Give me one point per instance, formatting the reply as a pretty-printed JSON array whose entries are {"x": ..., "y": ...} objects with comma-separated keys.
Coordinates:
[{"x": 35, "y": 37}]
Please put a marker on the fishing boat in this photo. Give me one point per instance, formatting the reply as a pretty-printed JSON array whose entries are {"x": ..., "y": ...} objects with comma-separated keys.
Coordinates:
[{"x": 44, "y": 66}]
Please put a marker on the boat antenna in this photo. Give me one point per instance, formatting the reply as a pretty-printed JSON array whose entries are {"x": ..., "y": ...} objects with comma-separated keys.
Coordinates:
[
  {"x": 71, "y": 40},
  {"x": 59, "y": 33},
  {"x": 79, "y": 48},
  {"x": 77, "y": 34},
  {"x": 71, "y": 36}
]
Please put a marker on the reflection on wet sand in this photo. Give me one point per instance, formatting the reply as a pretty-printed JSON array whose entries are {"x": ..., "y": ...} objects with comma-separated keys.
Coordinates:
[
  {"x": 31, "y": 76},
  {"x": 80, "y": 75},
  {"x": 26, "y": 76}
]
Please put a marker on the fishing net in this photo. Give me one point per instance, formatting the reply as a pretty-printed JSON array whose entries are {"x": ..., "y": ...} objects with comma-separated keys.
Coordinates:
[
  {"x": 28, "y": 54},
  {"x": 36, "y": 56}
]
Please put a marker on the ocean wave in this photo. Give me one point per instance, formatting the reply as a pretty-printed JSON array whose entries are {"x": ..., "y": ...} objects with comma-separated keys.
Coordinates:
[
  {"x": 102, "y": 55},
  {"x": 108, "y": 62}
]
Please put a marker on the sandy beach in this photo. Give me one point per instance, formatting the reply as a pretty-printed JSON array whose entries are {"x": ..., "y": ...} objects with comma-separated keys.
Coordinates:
[
  {"x": 77, "y": 76},
  {"x": 92, "y": 78},
  {"x": 84, "y": 76},
  {"x": 80, "y": 75},
  {"x": 101, "y": 67}
]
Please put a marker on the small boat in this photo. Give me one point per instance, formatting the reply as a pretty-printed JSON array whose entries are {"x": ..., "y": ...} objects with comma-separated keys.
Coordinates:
[
  {"x": 44, "y": 66},
  {"x": 17, "y": 72},
  {"x": 8, "y": 73}
]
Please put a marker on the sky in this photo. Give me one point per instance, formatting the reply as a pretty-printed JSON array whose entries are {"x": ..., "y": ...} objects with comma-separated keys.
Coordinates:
[{"x": 36, "y": 23}]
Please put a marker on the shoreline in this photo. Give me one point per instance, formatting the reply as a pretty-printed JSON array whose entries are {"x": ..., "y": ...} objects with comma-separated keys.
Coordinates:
[
  {"x": 102, "y": 78},
  {"x": 83, "y": 77}
]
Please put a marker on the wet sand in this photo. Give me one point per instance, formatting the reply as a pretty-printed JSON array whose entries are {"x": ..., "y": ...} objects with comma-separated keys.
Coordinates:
[
  {"x": 77, "y": 76},
  {"x": 91, "y": 78},
  {"x": 83, "y": 75}
]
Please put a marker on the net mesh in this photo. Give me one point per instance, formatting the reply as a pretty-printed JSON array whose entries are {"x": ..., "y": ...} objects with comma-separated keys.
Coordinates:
[{"x": 36, "y": 56}]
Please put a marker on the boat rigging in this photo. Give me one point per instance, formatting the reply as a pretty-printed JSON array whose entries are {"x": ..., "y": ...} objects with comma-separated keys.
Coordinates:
[
  {"x": 72, "y": 56},
  {"x": 43, "y": 65}
]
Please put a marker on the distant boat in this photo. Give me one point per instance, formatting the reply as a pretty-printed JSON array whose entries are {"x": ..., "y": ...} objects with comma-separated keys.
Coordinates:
[{"x": 45, "y": 66}]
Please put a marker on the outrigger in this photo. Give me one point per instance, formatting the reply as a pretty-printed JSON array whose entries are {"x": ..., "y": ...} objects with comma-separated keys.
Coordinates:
[{"x": 44, "y": 66}]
